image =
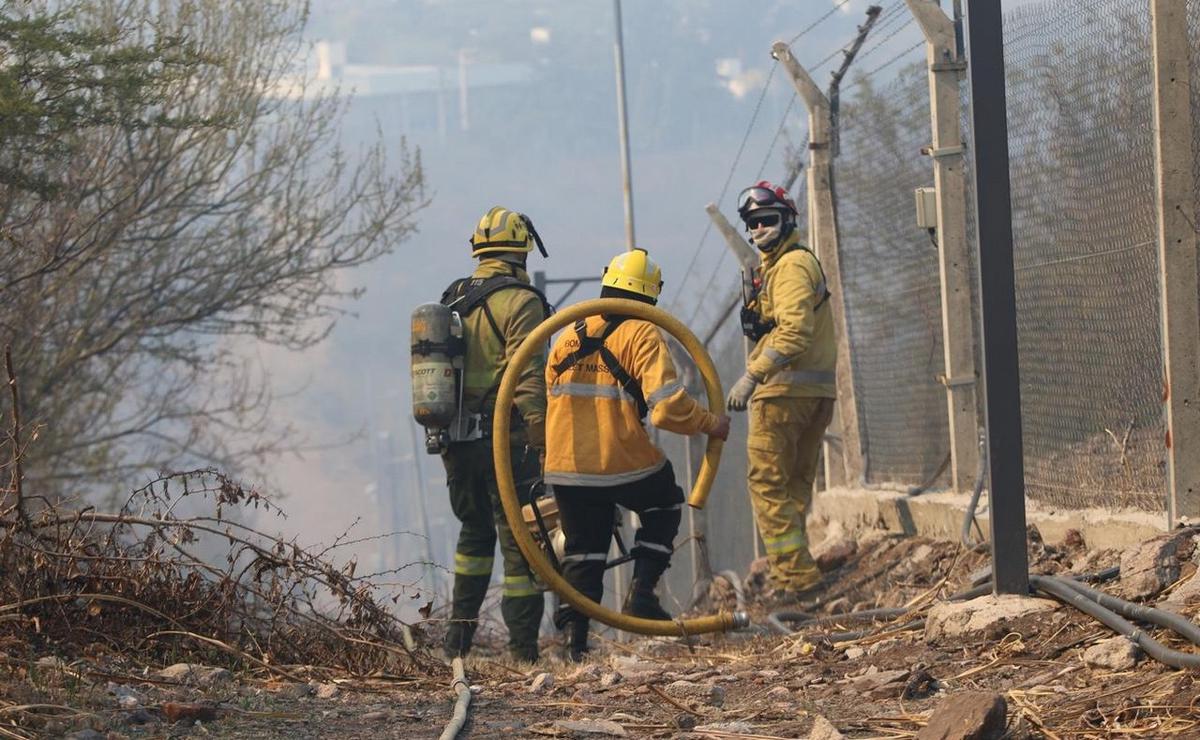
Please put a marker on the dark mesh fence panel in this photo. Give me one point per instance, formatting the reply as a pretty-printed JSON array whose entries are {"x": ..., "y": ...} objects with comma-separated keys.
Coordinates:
[
  {"x": 1081, "y": 141},
  {"x": 890, "y": 277}
]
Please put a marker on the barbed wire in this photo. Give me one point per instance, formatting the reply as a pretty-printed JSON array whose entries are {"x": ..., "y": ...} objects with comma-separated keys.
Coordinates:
[
  {"x": 895, "y": 32},
  {"x": 712, "y": 278},
  {"x": 889, "y": 17},
  {"x": 837, "y": 6},
  {"x": 778, "y": 132},
  {"x": 728, "y": 178},
  {"x": 885, "y": 65}
]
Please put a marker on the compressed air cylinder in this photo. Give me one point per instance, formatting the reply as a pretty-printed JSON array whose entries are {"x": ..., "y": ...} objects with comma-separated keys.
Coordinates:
[{"x": 435, "y": 359}]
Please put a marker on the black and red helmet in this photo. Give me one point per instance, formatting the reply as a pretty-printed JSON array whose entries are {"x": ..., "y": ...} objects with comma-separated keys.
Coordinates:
[{"x": 764, "y": 194}]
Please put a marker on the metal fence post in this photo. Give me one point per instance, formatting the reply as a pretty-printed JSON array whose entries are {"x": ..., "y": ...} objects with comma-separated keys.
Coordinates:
[
  {"x": 1177, "y": 261},
  {"x": 997, "y": 281},
  {"x": 822, "y": 225},
  {"x": 946, "y": 151}
]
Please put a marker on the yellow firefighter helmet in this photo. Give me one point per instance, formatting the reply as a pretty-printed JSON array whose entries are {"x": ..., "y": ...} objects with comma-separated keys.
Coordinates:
[
  {"x": 502, "y": 230},
  {"x": 635, "y": 272}
]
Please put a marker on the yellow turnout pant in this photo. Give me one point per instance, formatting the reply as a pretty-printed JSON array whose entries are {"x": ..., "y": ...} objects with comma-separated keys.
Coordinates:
[{"x": 783, "y": 448}]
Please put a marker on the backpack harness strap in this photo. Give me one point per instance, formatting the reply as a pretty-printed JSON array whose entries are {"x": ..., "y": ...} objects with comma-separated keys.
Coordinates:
[
  {"x": 466, "y": 294},
  {"x": 824, "y": 284},
  {"x": 595, "y": 345}
]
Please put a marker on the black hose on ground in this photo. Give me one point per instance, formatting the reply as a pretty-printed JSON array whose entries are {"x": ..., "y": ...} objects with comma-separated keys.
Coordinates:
[
  {"x": 1067, "y": 592},
  {"x": 1109, "y": 610},
  {"x": 1174, "y": 622}
]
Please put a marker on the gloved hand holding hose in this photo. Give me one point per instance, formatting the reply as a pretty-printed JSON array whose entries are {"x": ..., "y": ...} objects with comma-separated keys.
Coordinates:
[{"x": 739, "y": 394}]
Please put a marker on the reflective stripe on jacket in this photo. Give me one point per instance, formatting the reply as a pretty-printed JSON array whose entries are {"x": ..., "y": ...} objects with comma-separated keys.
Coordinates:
[
  {"x": 516, "y": 312},
  {"x": 594, "y": 436},
  {"x": 798, "y": 356}
]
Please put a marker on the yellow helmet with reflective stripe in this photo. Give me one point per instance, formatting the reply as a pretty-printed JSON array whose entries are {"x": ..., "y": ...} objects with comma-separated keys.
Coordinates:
[
  {"x": 635, "y": 272},
  {"x": 502, "y": 230}
]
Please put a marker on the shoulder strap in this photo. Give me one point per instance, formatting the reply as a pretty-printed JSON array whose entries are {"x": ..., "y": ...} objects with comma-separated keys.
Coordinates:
[
  {"x": 824, "y": 282},
  {"x": 595, "y": 345},
  {"x": 466, "y": 294}
]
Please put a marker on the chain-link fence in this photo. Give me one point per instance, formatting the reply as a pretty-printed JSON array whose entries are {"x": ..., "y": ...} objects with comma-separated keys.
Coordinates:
[
  {"x": 1081, "y": 141},
  {"x": 890, "y": 277},
  {"x": 1080, "y": 102}
]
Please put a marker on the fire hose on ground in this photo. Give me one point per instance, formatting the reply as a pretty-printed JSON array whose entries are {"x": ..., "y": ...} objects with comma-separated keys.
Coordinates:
[
  {"x": 463, "y": 691},
  {"x": 721, "y": 622}
]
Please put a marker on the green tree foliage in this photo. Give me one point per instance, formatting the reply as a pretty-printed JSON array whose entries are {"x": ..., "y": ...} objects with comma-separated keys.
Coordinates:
[
  {"x": 169, "y": 185},
  {"x": 57, "y": 78}
]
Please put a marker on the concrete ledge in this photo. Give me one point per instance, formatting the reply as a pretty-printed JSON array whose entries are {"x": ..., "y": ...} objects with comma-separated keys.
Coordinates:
[{"x": 940, "y": 515}]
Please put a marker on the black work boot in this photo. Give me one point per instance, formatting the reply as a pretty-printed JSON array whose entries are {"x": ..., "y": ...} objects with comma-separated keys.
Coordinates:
[
  {"x": 458, "y": 638},
  {"x": 577, "y": 645},
  {"x": 524, "y": 653},
  {"x": 643, "y": 602}
]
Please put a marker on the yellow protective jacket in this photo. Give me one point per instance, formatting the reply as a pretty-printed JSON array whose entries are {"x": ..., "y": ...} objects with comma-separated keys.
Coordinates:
[
  {"x": 517, "y": 312},
  {"x": 797, "y": 358},
  {"x": 594, "y": 434}
]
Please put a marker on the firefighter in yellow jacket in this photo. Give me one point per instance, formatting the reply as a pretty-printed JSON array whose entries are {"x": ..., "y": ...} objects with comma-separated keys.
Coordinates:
[
  {"x": 605, "y": 376},
  {"x": 788, "y": 385},
  {"x": 499, "y": 309}
]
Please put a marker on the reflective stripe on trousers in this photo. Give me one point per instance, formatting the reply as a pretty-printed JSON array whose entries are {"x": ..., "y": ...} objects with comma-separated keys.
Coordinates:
[
  {"x": 789, "y": 542},
  {"x": 518, "y": 586},
  {"x": 473, "y": 565}
]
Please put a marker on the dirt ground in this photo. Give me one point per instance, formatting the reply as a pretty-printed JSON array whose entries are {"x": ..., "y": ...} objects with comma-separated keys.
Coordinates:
[{"x": 753, "y": 684}]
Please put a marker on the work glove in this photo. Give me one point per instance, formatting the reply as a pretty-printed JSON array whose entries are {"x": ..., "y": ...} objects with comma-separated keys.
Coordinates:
[
  {"x": 536, "y": 440},
  {"x": 535, "y": 434},
  {"x": 739, "y": 394}
]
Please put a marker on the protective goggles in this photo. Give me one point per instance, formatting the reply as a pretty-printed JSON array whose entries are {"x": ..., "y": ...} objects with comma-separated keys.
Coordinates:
[
  {"x": 763, "y": 219},
  {"x": 760, "y": 196}
]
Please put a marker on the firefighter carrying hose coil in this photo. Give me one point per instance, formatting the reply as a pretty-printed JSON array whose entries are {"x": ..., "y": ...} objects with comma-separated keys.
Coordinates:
[
  {"x": 605, "y": 376},
  {"x": 789, "y": 386},
  {"x": 498, "y": 308}
]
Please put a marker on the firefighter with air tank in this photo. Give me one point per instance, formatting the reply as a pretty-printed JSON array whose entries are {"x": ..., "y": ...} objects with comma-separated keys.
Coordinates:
[
  {"x": 460, "y": 351},
  {"x": 788, "y": 387}
]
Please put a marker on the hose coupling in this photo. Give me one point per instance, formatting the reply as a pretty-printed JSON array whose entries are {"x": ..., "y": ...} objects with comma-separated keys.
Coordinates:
[{"x": 741, "y": 620}]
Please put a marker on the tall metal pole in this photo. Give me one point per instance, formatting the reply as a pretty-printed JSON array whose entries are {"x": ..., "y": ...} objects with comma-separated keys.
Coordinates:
[
  {"x": 623, "y": 128},
  {"x": 993, "y": 204}
]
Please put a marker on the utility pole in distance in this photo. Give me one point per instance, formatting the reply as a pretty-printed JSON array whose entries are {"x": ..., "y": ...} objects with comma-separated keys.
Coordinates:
[
  {"x": 998, "y": 300},
  {"x": 623, "y": 128}
]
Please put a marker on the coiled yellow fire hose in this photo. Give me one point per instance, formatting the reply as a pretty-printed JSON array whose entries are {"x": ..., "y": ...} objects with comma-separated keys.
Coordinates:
[{"x": 721, "y": 622}]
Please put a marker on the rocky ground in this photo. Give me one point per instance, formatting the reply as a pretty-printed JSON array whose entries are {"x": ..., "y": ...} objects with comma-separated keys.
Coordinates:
[{"x": 1019, "y": 668}]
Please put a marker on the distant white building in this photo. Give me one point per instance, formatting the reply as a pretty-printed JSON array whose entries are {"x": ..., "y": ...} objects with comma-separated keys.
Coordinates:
[{"x": 425, "y": 93}]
